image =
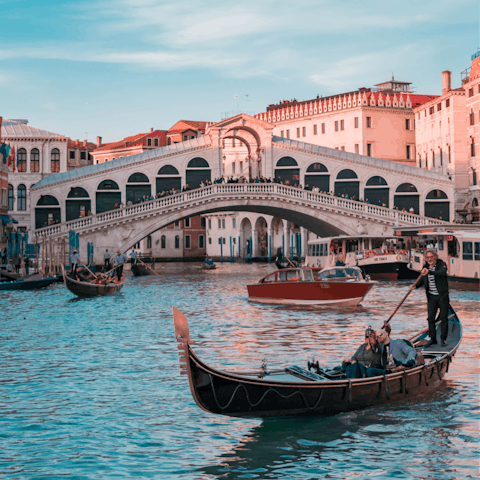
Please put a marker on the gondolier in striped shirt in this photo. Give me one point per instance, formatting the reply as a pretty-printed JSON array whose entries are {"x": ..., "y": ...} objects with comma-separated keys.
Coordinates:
[{"x": 434, "y": 278}]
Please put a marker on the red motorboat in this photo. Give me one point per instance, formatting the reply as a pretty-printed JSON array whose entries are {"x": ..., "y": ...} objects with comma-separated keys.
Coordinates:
[{"x": 312, "y": 286}]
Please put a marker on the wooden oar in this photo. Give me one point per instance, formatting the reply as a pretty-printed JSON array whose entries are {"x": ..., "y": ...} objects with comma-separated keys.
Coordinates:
[
  {"x": 401, "y": 303},
  {"x": 149, "y": 268},
  {"x": 91, "y": 272},
  {"x": 291, "y": 263}
]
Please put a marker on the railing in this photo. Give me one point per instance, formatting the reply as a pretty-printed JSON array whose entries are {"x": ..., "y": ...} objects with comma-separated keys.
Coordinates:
[{"x": 220, "y": 191}]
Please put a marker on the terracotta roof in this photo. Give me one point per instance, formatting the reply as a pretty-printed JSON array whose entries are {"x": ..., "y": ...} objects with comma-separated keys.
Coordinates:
[
  {"x": 73, "y": 144},
  {"x": 132, "y": 141},
  {"x": 183, "y": 125}
]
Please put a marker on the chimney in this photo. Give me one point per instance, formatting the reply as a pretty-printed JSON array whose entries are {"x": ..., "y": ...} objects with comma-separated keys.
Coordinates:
[
  {"x": 151, "y": 130},
  {"x": 77, "y": 143},
  {"x": 84, "y": 143},
  {"x": 446, "y": 81},
  {"x": 99, "y": 142}
]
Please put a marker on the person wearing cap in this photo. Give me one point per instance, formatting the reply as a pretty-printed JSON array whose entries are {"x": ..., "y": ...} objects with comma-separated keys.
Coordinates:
[
  {"x": 74, "y": 261},
  {"x": 367, "y": 360},
  {"x": 106, "y": 259},
  {"x": 119, "y": 260},
  {"x": 133, "y": 257}
]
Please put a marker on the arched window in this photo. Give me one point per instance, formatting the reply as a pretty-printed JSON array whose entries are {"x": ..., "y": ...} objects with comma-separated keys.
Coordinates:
[
  {"x": 287, "y": 162},
  {"x": 377, "y": 191},
  {"x": 317, "y": 176},
  {"x": 437, "y": 205},
  {"x": 149, "y": 241},
  {"x": 55, "y": 160},
  {"x": 76, "y": 192},
  {"x": 407, "y": 188},
  {"x": 163, "y": 242},
  {"x": 168, "y": 178},
  {"x": 139, "y": 189},
  {"x": 177, "y": 241},
  {"x": 406, "y": 197},
  {"x": 34, "y": 160},
  {"x": 376, "y": 181},
  {"x": 346, "y": 174},
  {"x": 436, "y": 195},
  {"x": 168, "y": 170},
  {"x": 108, "y": 185},
  {"x": 22, "y": 160},
  {"x": 108, "y": 196},
  {"x": 21, "y": 197},
  {"x": 317, "y": 168},
  {"x": 347, "y": 185},
  {"x": 287, "y": 171},
  {"x": 47, "y": 211},
  {"x": 198, "y": 162},
  {"x": 138, "y": 178},
  {"x": 78, "y": 203},
  {"x": 10, "y": 197},
  {"x": 198, "y": 170}
]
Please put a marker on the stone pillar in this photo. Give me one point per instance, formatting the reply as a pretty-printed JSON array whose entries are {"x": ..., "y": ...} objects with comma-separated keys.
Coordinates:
[
  {"x": 304, "y": 241},
  {"x": 286, "y": 237},
  {"x": 270, "y": 251},
  {"x": 254, "y": 243}
]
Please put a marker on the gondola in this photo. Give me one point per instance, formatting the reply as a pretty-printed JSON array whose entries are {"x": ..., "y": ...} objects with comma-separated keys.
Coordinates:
[
  {"x": 142, "y": 270},
  {"x": 91, "y": 289},
  {"x": 28, "y": 284},
  {"x": 294, "y": 391}
]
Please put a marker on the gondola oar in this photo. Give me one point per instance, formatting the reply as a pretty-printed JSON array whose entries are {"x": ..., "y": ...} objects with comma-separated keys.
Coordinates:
[
  {"x": 91, "y": 272},
  {"x": 148, "y": 267},
  {"x": 114, "y": 268},
  {"x": 401, "y": 303}
]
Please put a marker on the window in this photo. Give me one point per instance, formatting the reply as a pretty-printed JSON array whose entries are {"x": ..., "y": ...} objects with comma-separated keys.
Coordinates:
[
  {"x": 149, "y": 142},
  {"x": 369, "y": 122},
  {"x": 219, "y": 223},
  {"x": 342, "y": 148},
  {"x": 477, "y": 250},
  {"x": 149, "y": 241},
  {"x": 472, "y": 149},
  {"x": 202, "y": 222},
  {"x": 407, "y": 124},
  {"x": 472, "y": 118},
  {"x": 467, "y": 251},
  {"x": 356, "y": 148},
  {"x": 83, "y": 155},
  {"x": 298, "y": 132},
  {"x": 441, "y": 156},
  {"x": 356, "y": 122},
  {"x": 10, "y": 197},
  {"x": 369, "y": 149},
  {"x": 177, "y": 224},
  {"x": 34, "y": 160},
  {"x": 223, "y": 240},
  {"x": 432, "y": 110},
  {"x": 209, "y": 241},
  {"x": 187, "y": 241},
  {"x": 163, "y": 242},
  {"x": 223, "y": 223},
  {"x": 177, "y": 241},
  {"x": 156, "y": 142},
  {"x": 408, "y": 152},
  {"x": 113, "y": 158},
  {"x": 439, "y": 106},
  {"x": 201, "y": 241},
  {"x": 304, "y": 131},
  {"x": 425, "y": 112},
  {"x": 288, "y": 133},
  {"x": 470, "y": 92},
  {"x": 22, "y": 160},
  {"x": 187, "y": 222},
  {"x": 72, "y": 154},
  {"x": 220, "y": 241},
  {"x": 342, "y": 124},
  {"x": 281, "y": 133},
  {"x": 185, "y": 137},
  {"x": 447, "y": 103},
  {"x": 55, "y": 160},
  {"x": 22, "y": 197},
  {"x": 336, "y": 126},
  {"x": 315, "y": 129},
  {"x": 210, "y": 223},
  {"x": 234, "y": 223},
  {"x": 323, "y": 128},
  {"x": 234, "y": 240}
]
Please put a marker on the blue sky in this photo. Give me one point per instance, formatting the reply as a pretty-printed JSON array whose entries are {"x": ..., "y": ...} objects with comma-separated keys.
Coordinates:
[{"x": 117, "y": 68}]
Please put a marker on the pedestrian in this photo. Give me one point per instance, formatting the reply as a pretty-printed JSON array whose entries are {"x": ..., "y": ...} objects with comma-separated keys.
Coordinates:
[
  {"x": 26, "y": 262},
  {"x": 434, "y": 278},
  {"x": 106, "y": 260},
  {"x": 16, "y": 263},
  {"x": 74, "y": 261},
  {"x": 119, "y": 260}
]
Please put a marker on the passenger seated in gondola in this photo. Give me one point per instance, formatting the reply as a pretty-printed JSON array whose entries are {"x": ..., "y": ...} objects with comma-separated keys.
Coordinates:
[
  {"x": 367, "y": 360},
  {"x": 398, "y": 353}
]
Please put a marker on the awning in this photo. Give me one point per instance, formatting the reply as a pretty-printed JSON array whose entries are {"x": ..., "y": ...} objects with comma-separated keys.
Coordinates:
[{"x": 7, "y": 219}]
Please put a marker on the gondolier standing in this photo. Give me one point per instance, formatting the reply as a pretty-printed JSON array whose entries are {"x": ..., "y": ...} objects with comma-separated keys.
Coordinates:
[
  {"x": 119, "y": 260},
  {"x": 133, "y": 257},
  {"x": 434, "y": 278},
  {"x": 106, "y": 259},
  {"x": 74, "y": 260}
]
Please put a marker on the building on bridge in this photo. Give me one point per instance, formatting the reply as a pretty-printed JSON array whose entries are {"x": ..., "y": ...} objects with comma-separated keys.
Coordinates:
[
  {"x": 375, "y": 122},
  {"x": 200, "y": 159},
  {"x": 39, "y": 153}
]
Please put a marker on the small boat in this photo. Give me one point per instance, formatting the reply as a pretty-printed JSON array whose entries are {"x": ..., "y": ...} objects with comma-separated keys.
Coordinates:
[
  {"x": 28, "y": 283},
  {"x": 382, "y": 258},
  {"x": 311, "y": 286},
  {"x": 209, "y": 266},
  {"x": 142, "y": 270},
  {"x": 294, "y": 391},
  {"x": 92, "y": 288}
]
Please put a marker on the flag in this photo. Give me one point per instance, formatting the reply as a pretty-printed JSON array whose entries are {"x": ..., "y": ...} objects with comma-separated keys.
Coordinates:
[
  {"x": 12, "y": 158},
  {"x": 5, "y": 151}
]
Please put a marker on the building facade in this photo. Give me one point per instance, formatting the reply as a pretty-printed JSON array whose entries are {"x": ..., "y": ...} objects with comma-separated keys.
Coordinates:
[
  {"x": 377, "y": 122},
  {"x": 4, "y": 220}
]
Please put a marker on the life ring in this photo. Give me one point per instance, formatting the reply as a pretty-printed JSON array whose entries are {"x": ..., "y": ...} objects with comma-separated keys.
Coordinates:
[
  {"x": 369, "y": 254},
  {"x": 398, "y": 258}
]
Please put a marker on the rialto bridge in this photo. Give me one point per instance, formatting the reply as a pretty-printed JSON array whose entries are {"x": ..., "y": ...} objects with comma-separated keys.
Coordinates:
[{"x": 84, "y": 199}]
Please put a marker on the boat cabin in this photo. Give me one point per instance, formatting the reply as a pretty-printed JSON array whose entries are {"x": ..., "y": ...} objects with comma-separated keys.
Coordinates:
[{"x": 313, "y": 275}]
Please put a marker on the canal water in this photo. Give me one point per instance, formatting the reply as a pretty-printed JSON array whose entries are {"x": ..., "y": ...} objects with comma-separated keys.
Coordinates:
[{"x": 91, "y": 389}]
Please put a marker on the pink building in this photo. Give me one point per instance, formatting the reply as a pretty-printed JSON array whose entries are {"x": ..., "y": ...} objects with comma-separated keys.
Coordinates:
[{"x": 378, "y": 122}]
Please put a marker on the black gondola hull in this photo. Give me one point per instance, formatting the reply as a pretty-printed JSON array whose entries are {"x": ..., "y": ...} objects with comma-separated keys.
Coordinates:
[{"x": 85, "y": 289}]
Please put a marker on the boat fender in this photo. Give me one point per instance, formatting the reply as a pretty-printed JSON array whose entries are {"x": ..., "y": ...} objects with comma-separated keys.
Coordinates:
[{"x": 387, "y": 390}]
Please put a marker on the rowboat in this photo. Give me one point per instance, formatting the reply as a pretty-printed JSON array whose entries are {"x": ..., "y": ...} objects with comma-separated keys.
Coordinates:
[
  {"x": 294, "y": 391},
  {"x": 142, "y": 270},
  {"x": 92, "y": 289},
  {"x": 311, "y": 286}
]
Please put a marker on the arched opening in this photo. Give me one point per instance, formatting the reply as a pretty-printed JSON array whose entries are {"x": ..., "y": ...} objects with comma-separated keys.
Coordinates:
[
  {"x": 347, "y": 184},
  {"x": 10, "y": 197},
  {"x": 277, "y": 236},
  {"x": 47, "y": 211},
  {"x": 167, "y": 179},
  {"x": 34, "y": 160},
  {"x": 21, "y": 197},
  {"x": 317, "y": 176},
  {"x": 108, "y": 196},
  {"x": 261, "y": 249},
  {"x": 198, "y": 170},
  {"x": 246, "y": 238},
  {"x": 406, "y": 198},
  {"x": 138, "y": 188},
  {"x": 55, "y": 161},
  {"x": 287, "y": 171},
  {"x": 437, "y": 205},
  {"x": 22, "y": 160},
  {"x": 163, "y": 241},
  {"x": 177, "y": 241},
  {"x": 377, "y": 191},
  {"x": 78, "y": 204}
]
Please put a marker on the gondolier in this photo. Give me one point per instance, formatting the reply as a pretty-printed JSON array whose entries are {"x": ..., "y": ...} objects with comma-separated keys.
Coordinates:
[
  {"x": 434, "y": 278},
  {"x": 119, "y": 260},
  {"x": 133, "y": 257},
  {"x": 106, "y": 259},
  {"x": 74, "y": 261}
]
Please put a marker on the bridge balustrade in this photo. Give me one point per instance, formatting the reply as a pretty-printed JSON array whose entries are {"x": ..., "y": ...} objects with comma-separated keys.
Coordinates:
[{"x": 222, "y": 191}]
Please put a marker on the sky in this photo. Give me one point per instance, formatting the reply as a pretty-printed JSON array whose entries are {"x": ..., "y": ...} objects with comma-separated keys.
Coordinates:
[{"x": 118, "y": 68}]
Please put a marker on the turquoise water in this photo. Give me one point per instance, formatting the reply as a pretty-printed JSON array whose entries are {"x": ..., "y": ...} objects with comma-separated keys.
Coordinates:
[{"x": 90, "y": 388}]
